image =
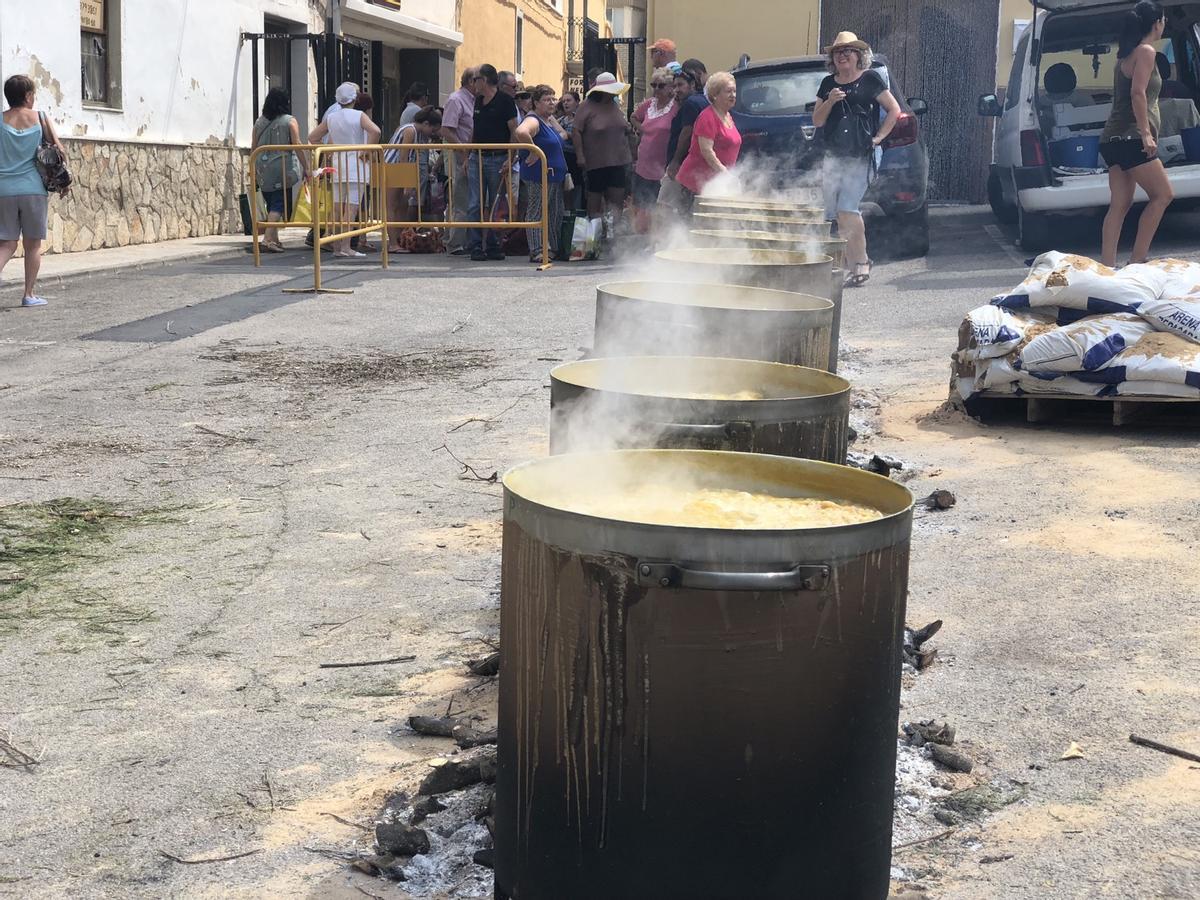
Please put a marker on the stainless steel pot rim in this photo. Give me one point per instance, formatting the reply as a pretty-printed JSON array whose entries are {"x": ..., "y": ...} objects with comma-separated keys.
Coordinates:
[
  {"x": 638, "y": 291},
  {"x": 571, "y": 373},
  {"x": 776, "y": 236},
  {"x": 736, "y": 257},
  {"x": 763, "y": 216},
  {"x": 512, "y": 487}
]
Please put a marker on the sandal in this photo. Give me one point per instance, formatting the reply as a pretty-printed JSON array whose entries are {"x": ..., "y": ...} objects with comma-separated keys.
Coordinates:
[
  {"x": 273, "y": 248},
  {"x": 859, "y": 278}
]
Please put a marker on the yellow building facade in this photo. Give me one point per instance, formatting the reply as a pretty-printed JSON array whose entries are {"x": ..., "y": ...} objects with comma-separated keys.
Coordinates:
[
  {"x": 718, "y": 32},
  {"x": 528, "y": 37}
]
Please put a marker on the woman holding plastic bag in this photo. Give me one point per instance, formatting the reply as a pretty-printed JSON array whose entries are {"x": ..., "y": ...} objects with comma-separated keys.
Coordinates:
[{"x": 277, "y": 172}]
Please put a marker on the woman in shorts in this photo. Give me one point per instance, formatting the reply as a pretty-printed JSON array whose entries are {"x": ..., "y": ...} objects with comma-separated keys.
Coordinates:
[
  {"x": 22, "y": 195},
  {"x": 601, "y": 138},
  {"x": 847, "y": 111},
  {"x": 277, "y": 172},
  {"x": 347, "y": 125},
  {"x": 1129, "y": 143},
  {"x": 652, "y": 121}
]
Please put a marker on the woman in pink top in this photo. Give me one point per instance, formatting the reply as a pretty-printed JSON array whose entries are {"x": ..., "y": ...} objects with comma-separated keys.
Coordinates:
[
  {"x": 652, "y": 121},
  {"x": 716, "y": 141}
]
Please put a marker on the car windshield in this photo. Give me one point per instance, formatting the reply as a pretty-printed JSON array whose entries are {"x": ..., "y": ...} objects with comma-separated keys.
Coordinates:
[{"x": 781, "y": 92}]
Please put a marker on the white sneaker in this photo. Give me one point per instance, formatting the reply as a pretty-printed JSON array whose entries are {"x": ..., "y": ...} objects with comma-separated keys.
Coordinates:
[{"x": 33, "y": 301}]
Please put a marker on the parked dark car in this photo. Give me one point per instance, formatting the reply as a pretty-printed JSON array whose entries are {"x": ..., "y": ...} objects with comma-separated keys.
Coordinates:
[{"x": 775, "y": 101}]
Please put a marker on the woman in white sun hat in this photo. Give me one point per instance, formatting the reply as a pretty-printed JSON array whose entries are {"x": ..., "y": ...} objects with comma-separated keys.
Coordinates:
[
  {"x": 601, "y": 139},
  {"x": 847, "y": 111}
]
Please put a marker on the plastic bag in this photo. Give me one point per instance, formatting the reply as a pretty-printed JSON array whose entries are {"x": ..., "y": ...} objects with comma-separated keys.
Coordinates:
[
  {"x": 585, "y": 239},
  {"x": 302, "y": 213}
]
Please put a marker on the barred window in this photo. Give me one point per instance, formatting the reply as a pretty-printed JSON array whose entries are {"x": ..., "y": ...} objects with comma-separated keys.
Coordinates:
[{"x": 98, "y": 40}]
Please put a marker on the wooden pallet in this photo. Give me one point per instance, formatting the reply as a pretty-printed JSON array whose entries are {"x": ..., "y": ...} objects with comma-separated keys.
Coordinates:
[{"x": 1128, "y": 410}]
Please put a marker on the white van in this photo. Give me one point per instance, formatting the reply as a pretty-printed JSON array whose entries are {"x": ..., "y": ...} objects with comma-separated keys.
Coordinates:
[{"x": 1058, "y": 98}]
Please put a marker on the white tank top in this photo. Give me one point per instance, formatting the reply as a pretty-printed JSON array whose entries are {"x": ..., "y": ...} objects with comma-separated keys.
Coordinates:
[{"x": 345, "y": 127}]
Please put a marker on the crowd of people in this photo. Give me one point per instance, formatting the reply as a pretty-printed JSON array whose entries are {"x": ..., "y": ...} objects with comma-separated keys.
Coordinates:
[
  {"x": 600, "y": 163},
  {"x": 632, "y": 173}
]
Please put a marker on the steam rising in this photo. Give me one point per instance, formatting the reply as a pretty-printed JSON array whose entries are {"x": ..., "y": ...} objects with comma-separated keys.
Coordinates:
[{"x": 672, "y": 304}]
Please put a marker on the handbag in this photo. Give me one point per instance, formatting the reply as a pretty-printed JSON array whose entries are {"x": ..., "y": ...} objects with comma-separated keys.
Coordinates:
[{"x": 51, "y": 164}]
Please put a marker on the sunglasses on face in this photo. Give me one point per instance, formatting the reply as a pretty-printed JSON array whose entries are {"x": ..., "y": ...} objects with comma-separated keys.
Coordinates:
[{"x": 844, "y": 52}]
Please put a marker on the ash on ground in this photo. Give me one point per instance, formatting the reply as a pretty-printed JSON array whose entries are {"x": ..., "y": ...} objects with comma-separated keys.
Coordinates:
[{"x": 455, "y": 836}]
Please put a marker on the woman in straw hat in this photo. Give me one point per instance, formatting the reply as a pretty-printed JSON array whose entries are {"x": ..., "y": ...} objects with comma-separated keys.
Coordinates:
[
  {"x": 601, "y": 139},
  {"x": 847, "y": 111}
]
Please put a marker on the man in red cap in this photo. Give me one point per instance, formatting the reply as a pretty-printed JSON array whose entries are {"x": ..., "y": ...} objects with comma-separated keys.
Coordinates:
[{"x": 662, "y": 52}]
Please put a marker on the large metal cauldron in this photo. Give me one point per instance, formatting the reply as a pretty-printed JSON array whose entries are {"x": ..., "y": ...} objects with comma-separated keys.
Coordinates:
[
  {"x": 817, "y": 227},
  {"x": 768, "y": 240},
  {"x": 692, "y": 402},
  {"x": 697, "y": 712},
  {"x": 796, "y": 211},
  {"x": 672, "y": 318},
  {"x": 783, "y": 270}
]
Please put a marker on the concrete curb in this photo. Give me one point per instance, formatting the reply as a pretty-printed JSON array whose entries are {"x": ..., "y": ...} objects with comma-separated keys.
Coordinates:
[{"x": 232, "y": 250}]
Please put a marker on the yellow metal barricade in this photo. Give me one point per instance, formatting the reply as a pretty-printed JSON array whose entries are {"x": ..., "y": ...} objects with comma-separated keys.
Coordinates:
[{"x": 347, "y": 188}]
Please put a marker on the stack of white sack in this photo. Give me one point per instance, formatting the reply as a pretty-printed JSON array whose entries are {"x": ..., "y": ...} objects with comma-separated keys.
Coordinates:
[{"x": 1075, "y": 327}]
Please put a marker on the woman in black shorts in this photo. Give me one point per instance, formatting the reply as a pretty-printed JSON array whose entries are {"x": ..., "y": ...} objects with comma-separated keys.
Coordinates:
[
  {"x": 1129, "y": 143},
  {"x": 601, "y": 138}
]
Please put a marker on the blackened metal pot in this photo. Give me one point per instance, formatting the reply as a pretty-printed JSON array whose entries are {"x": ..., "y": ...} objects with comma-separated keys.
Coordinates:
[
  {"x": 694, "y": 402},
  {"x": 680, "y": 318},
  {"x": 691, "y": 712}
]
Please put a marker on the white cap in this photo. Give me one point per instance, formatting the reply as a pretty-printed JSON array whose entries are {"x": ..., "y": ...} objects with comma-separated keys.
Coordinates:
[{"x": 346, "y": 93}]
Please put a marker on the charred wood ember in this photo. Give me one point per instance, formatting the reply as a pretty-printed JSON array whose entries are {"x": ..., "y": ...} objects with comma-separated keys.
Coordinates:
[
  {"x": 457, "y": 773},
  {"x": 433, "y": 726},
  {"x": 399, "y": 839},
  {"x": 918, "y": 734},
  {"x": 489, "y": 665},
  {"x": 914, "y": 638}
]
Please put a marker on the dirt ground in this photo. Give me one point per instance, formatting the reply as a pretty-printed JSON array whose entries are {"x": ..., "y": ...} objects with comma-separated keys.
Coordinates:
[{"x": 271, "y": 485}]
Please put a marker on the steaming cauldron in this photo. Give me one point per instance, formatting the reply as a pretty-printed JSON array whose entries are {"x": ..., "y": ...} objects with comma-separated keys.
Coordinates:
[
  {"x": 776, "y": 209},
  {"x": 816, "y": 227},
  {"x": 672, "y": 318},
  {"x": 783, "y": 270},
  {"x": 694, "y": 402},
  {"x": 697, "y": 712},
  {"x": 768, "y": 240}
]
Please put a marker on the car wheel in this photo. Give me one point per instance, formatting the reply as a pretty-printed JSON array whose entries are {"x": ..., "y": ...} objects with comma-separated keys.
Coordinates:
[
  {"x": 1005, "y": 212},
  {"x": 1034, "y": 230}
]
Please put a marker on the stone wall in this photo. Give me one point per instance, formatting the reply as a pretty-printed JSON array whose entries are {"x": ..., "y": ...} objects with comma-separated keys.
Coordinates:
[{"x": 133, "y": 193}]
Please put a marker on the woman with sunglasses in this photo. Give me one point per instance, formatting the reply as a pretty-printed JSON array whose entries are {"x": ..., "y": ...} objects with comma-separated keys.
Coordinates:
[
  {"x": 847, "y": 111},
  {"x": 652, "y": 123}
]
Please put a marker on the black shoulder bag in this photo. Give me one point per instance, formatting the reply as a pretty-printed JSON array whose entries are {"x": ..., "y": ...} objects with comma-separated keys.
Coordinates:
[{"x": 51, "y": 164}]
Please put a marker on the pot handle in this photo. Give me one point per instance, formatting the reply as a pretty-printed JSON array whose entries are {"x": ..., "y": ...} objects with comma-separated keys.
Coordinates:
[
  {"x": 716, "y": 435},
  {"x": 675, "y": 575}
]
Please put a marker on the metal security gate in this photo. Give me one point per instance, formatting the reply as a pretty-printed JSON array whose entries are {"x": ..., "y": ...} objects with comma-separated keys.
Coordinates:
[{"x": 944, "y": 51}]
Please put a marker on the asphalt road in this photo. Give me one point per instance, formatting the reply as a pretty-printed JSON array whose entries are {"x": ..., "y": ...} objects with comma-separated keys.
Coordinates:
[{"x": 307, "y": 509}]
